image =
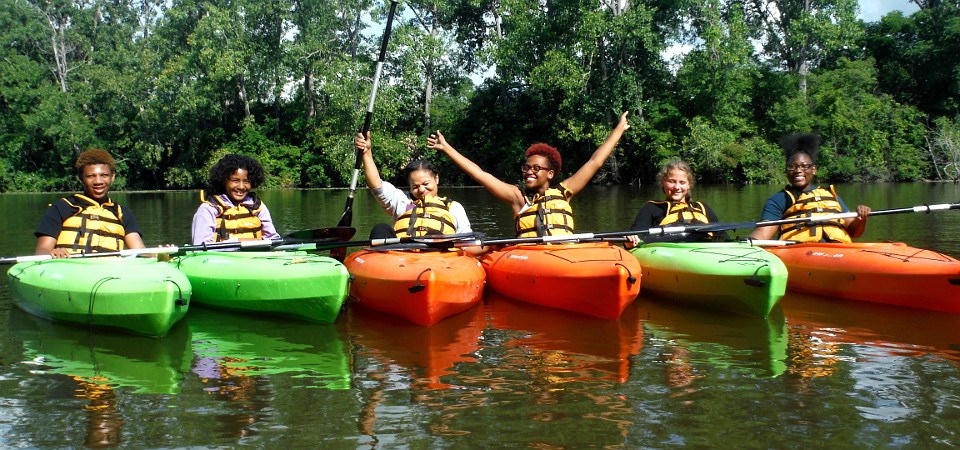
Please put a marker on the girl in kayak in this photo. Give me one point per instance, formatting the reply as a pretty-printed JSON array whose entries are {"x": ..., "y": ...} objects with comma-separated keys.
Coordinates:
[
  {"x": 421, "y": 213},
  {"x": 676, "y": 181},
  {"x": 232, "y": 211},
  {"x": 803, "y": 198},
  {"x": 543, "y": 207},
  {"x": 89, "y": 222}
]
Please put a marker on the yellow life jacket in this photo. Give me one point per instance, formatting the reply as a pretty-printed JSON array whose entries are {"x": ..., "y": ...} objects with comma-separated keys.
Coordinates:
[
  {"x": 428, "y": 216},
  {"x": 546, "y": 215},
  {"x": 236, "y": 221},
  {"x": 95, "y": 227},
  {"x": 684, "y": 213},
  {"x": 815, "y": 202}
]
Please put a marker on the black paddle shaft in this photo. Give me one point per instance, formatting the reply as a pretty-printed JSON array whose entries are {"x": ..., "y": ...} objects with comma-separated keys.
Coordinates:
[{"x": 347, "y": 218}]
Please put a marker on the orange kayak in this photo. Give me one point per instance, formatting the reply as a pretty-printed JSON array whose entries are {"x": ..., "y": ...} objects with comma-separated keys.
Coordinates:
[
  {"x": 422, "y": 287},
  {"x": 598, "y": 279},
  {"x": 889, "y": 273}
]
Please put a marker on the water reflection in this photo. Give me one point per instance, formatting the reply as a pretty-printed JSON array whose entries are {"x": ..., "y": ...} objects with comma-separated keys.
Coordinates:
[
  {"x": 143, "y": 364},
  {"x": 100, "y": 363},
  {"x": 104, "y": 419},
  {"x": 880, "y": 330},
  {"x": 884, "y": 354},
  {"x": 424, "y": 355},
  {"x": 695, "y": 338},
  {"x": 236, "y": 356},
  {"x": 229, "y": 348},
  {"x": 567, "y": 346},
  {"x": 415, "y": 360}
]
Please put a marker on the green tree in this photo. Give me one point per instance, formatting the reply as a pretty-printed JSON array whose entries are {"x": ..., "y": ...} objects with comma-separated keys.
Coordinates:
[
  {"x": 800, "y": 34},
  {"x": 866, "y": 136}
]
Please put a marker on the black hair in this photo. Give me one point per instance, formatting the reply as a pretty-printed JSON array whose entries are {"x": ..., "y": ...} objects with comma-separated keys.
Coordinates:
[
  {"x": 229, "y": 164},
  {"x": 800, "y": 143},
  {"x": 419, "y": 164}
]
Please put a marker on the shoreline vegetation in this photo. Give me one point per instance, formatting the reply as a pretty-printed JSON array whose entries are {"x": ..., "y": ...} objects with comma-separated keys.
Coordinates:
[{"x": 169, "y": 88}]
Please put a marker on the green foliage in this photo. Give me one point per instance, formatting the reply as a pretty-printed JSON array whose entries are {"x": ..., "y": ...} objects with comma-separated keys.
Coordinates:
[
  {"x": 168, "y": 87},
  {"x": 867, "y": 137}
]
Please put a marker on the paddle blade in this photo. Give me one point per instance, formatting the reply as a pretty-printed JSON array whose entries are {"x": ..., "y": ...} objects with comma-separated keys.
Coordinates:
[
  {"x": 324, "y": 234},
  {"x": 347, "y": 218}
]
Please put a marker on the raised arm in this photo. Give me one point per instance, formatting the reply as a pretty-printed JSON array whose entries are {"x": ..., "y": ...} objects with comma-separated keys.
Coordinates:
[
  {"x": 501, "y": 190},
  {"x": 364, "y": 145},
  {"x": 579, "y": 180}
]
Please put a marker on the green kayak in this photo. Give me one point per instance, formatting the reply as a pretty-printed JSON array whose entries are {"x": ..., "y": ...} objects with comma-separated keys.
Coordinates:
[
  {"x": 140, "y": 295},
  {"x": 292, "y": 284},
  {"x": 729, "y": 276}
]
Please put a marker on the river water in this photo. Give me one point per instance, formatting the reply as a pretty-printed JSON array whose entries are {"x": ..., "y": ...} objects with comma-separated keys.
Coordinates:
[{"x": 819, "y": 373}]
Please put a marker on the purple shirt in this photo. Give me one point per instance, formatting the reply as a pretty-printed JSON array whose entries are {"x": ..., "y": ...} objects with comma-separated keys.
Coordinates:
[{"x": 204, "y": 227}]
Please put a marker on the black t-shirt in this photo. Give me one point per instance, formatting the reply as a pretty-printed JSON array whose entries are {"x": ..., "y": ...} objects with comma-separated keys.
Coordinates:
[
  {"x": 52, "y": 221},
  {"x": 652, "y": 213}
]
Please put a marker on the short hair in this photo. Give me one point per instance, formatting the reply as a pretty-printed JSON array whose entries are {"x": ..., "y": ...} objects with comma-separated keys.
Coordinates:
[
  {"x": 800, "y": 143},
  {"x": 94, "y": 156},
  {"x": 681, "y": 166},
  {"x": 419, "y": 164},
  {"x": 552, "y": 155},
  {"x": 231, "y": 163}
]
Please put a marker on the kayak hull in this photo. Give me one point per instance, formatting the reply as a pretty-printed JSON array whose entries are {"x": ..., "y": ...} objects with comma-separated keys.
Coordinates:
[
  {"x": 889, "y": 273},
  {"x": 138, "y": 295},
  {"x": 598, "y": 279},
  {"x": 421, "y": 287},
  {"x": 299, "y": 285},
  {"x": 732, "y": 276}
]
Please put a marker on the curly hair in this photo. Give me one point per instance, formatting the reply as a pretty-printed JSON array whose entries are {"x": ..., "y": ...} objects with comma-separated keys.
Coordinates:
[
  {"x": 552, "y": 155},
  {"x": 800, "y": 143},
  {"x": 94, "y": 156},
  {"x": 221, "y": 171},
  {"x": 419, "y": 164}
]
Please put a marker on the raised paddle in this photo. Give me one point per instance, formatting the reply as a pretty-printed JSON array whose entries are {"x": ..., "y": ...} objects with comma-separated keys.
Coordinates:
[{"x": 347, "y": 218}]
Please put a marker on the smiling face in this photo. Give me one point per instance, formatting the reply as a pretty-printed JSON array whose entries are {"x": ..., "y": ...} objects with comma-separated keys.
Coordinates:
[
  {"x": 800, "y": 170},
  {"x": 676, "y": 185},
  {"x": 423, "y": 183},
  {"x": 537, "y": 173},
  {"x": 238, "y": 185},
  {"x": 96, "y": 180}
]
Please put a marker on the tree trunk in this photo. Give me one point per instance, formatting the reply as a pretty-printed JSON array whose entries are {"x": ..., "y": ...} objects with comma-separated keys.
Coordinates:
[
  {"x": 242, "y": 93},
  {"x": 309, "y": 95}
]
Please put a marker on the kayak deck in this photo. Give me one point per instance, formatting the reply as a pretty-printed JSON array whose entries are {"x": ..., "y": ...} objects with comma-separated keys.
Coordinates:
[
  {"x": 728, "y": 276},
  {"x": 889, "y": 273},
  {"x": 140, "y": 295},
  {"x": 598, "y": 279},
  {"x": 290, "y": 284}
]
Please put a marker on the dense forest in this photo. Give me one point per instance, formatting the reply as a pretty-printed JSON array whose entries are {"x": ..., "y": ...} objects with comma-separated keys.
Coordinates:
[{"x": 168, "y": 86}]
